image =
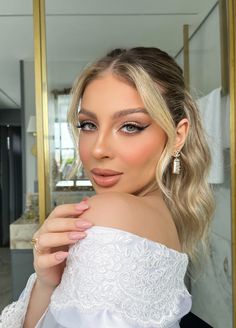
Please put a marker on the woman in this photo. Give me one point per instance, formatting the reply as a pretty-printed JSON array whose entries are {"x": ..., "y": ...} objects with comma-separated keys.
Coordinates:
[{"x": 141, "y": 143}]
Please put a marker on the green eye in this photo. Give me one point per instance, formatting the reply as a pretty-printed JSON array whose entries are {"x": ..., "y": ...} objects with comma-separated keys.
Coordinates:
[
  {"x": 131, "y": 128},
  {"x": 86, "y": 126}
]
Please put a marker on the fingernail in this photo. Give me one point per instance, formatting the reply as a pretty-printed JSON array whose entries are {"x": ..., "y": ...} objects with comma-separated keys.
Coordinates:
[
  {"x": 81, "y": 206},
  {"x": 61, "y": 256},
  {"x": 76, "y": 235},
  {"x": 83, "y": 224}
]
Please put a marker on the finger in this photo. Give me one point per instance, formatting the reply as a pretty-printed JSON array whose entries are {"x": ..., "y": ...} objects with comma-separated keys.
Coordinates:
[
  {"x": 64, "y": 248},
  {"x": 69, "y": 210},
  {"x": 65, "y": 224},
  {"x": 46, "y": 261},
  {"x": 50, "y": 240}
]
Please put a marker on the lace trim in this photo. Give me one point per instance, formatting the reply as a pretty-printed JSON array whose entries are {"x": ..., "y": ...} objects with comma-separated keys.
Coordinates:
[
  {"x": 135, "y": 236},
  {"x": 13, "y": 315},
  {"x": 139, "y": 279}
]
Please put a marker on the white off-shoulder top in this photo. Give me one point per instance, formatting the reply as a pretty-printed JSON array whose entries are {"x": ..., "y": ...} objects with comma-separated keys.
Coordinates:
[{"x": 113, "y": 278}]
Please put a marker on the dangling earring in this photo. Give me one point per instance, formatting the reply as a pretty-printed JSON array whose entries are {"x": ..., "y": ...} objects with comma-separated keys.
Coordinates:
[{"x": 176, "y": 163}]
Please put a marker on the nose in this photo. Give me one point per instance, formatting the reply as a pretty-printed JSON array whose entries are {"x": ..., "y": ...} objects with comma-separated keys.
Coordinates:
[{"x": 102, "y": 146}]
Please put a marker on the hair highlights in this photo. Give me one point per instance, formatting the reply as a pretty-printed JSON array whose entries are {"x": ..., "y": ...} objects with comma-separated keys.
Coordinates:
[{"x": 159, "y": 81}]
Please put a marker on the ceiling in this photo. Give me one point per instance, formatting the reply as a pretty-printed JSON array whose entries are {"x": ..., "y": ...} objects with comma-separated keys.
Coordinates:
[{"x": 83, "y": 30}]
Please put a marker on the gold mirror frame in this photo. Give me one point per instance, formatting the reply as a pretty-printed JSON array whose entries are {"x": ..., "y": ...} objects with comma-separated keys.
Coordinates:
[
  {"x": 232, "y": 88},
  {"x": 41, "y": 97},
  {"x": 41, "y": 103}
]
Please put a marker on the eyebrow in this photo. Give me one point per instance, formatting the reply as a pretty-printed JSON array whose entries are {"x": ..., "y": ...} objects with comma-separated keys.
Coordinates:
[{"x": 116, "y": 115}]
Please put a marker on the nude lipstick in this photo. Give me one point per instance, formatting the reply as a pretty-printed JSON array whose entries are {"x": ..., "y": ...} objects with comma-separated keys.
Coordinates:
[{"x": 105, "y": 177}]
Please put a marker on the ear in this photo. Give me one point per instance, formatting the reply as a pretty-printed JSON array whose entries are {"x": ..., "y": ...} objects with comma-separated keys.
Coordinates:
[{"x": 181, "y": 133}]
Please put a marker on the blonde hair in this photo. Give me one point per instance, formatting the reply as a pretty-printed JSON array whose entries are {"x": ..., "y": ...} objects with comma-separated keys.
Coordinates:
[{"x": 159, "y": 81}]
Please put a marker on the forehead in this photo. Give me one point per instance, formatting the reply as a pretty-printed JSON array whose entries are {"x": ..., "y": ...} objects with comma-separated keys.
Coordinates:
[{"x": 112, "y": 91}]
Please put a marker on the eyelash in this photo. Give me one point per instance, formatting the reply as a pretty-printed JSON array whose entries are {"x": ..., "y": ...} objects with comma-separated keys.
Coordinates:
[
  {"x": 138, "y": 127},
  {"x": 83, "y": 124}
]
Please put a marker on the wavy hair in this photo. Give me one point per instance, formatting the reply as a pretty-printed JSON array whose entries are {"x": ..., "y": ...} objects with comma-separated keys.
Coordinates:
[{"x": 160, "y": 84}]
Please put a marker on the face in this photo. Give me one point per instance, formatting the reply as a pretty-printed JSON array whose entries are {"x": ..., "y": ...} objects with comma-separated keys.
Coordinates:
[{"x": 119, "y": 143}]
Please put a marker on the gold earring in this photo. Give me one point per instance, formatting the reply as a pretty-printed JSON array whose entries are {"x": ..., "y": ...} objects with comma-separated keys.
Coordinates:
[{"x": 176, "y": 166}]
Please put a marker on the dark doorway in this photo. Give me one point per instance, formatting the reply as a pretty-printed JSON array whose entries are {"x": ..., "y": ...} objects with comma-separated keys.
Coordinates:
[{"x": 10, "y": 179}]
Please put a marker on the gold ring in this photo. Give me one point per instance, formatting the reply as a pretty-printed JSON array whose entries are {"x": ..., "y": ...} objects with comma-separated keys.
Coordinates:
[{"x": 34, "y": 244}]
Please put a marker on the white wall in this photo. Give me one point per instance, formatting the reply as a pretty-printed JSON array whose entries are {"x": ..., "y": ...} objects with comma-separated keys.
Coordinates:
[
  {"x": 213, "y": 290},
  {"x": 29, "y": 95}
]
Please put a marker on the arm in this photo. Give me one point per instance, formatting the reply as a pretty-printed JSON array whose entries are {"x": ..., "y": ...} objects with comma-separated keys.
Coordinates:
[
  {"x": 54, "y": 238},
  {"x": 36, "y": 309},
  {"x": 13, "y": 314}
]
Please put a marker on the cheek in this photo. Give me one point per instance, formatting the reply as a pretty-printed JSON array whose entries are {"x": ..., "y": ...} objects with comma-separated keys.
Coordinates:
[
  {"x": 83, "y": 150},
  {"x": 142, "y": 153}
]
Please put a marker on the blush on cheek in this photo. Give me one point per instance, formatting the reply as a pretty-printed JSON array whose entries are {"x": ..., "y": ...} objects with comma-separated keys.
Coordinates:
[
  {"x": 83, "y": 152},
  {"x": 141, "y": 153}
]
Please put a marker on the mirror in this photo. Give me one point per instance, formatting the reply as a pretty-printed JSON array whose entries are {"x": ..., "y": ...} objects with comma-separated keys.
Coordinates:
[
  {"x": 18, "y": 168},
  {"x": 79, "y": 33}
]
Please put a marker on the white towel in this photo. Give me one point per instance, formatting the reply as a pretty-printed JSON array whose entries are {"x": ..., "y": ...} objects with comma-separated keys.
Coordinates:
[
  {"x": 210, "y": 112},
  {"x": 225, "y": 110}
]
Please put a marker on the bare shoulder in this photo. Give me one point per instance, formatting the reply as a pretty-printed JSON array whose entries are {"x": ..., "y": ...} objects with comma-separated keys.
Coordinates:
[
  {"x": 112, "y": 209},
  {"x": 133, "y": 214}
]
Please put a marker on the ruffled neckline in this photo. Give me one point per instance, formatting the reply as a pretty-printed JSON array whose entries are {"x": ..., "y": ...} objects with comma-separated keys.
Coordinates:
[{"x": 149, "y": 241}]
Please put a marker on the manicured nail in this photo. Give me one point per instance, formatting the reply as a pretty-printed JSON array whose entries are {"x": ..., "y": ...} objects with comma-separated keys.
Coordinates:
[
  {"x": 61, "y": 256},
  {"x": 77, "y": 235},
  {"x": 83, "y": 224},
  {"x": 81, "y": 206}
]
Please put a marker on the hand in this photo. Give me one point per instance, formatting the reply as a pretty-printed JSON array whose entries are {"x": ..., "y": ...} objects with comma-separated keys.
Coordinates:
[{"x": 61, "y": 229}]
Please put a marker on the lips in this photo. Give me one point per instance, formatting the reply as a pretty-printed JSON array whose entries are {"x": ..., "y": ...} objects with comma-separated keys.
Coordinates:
[
  {"x": 105, "y": 177},
  {"x": 105, "y": 172}
]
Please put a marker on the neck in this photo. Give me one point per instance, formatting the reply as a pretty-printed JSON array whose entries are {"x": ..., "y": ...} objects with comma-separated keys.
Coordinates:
[{"x": 151, "y": 190}]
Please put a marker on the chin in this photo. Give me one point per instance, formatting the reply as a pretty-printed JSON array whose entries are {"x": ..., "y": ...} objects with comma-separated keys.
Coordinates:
[
  {"x": 102, "y": 190},
  {"x": 99, "y": 189}
]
